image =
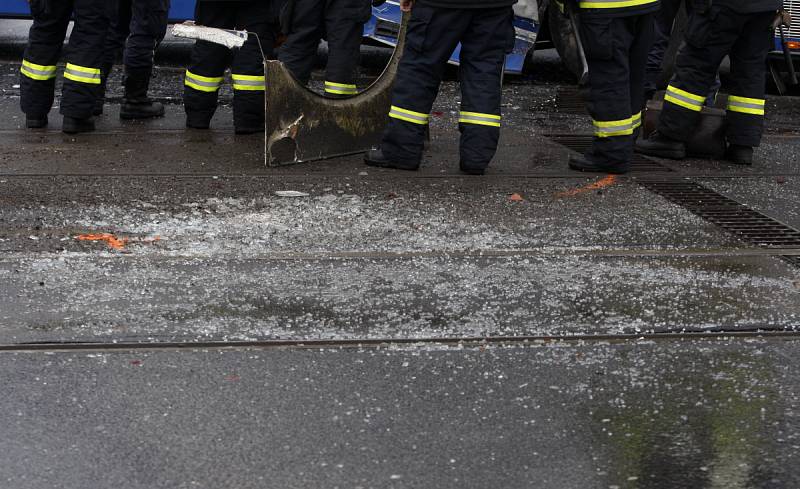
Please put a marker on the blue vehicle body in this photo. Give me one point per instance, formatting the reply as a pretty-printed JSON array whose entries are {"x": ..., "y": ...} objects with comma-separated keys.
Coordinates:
[
  {"x": 180, "y": 10},
  {"x": 385, "y": 22},
  {"x": 381, "y": 28}
]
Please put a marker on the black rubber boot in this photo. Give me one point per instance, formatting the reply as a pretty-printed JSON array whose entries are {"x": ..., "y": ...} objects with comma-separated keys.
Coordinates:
[
  {"x": 582, "y": 163},
  {"x": 135, "y": 103},
  {"x": 661, "y": 146},
  {"x": 741, "y": 155},
  {"x": 472, "y": 170},
  {"x": 73, "y": 125},
  {"x": 374, "y": 157},
  {"x": 36, "y": 122}
]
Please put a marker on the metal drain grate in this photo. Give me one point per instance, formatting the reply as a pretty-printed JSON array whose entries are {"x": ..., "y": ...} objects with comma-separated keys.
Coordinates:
[
  {"x": 792, "y": 259},
  {"x": 750, "y": 226},
  {"x": 581, "y": 143},
  {"x": 570, "y": 101}
]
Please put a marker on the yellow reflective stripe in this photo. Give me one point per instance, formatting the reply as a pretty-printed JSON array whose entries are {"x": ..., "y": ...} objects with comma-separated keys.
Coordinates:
[
  {"x": 480, "y": 119},
  {"x": 200, "y": 87},
  {"x": 81, "y": 79},
  {"x": 82, "y": 74},
  {"x": 746, "y": 100},
  {"x": 207, "y": 79},
  {"x": 83, "y": 69},
  {"x": 689, "y": 95},
  {"x": 619, "y": 123},
  {"x": 606, "y": 129},
  {"x": 478, "y": 114},
  {"x": 236, "y": 76},
  {"x": 239, "y": 86},
  {"x": 636, "y": 120},
  {"x": 340, "y": 85},
  {"x": 340, "y": 88},
  {"x": 248, "y": 82},
  {"x": 615, "y": 3},
  {"x": 36, "y": 71},
  {"x": 409, "y": 115},
  {"x": 682, "y": 103},
  {"x": 37, "y": 74},
  {"x": 27, "y": 63},
  {"x": 684, "y": 99},
  {"x": 202, "y": 83},
  {"x": 745, "y": 105}
]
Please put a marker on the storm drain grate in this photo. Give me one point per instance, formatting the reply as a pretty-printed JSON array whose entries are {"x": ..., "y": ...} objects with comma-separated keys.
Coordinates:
[
  {"x": 792, "y": 259},
  {"x": 749, "y": 225},
  {"x": 570, "y": 101},
  {"x": 581, "y": 143}
]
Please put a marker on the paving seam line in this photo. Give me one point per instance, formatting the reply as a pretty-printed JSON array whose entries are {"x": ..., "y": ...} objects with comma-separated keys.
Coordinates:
[{"x": 466, "y": 342}]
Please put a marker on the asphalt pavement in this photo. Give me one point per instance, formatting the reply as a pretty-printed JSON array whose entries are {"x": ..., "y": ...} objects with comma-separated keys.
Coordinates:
[{"x": 168, "y": 319}]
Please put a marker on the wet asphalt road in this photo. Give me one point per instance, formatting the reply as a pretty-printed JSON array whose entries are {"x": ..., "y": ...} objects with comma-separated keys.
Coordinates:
[{"x": 199, "y": 248}]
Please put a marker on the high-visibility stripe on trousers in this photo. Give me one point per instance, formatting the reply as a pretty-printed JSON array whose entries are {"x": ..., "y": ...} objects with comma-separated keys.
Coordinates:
[
  {"x": 615, "y": 3},
  {"x": 745, "y": 105},
  {"x": 82, "y": 74},
  {"x": 607, "y": 129},
  {"x": 202, "y": 83},
  {"x": 684, "y": 99},
  {"x": 636, "y": 120},
  {"x": 36, "y": 71},
  {"x": 248, "y": 82},
  {"x": 340, "y": 88},
  {"x": 480, "y": 119},
  {"x": 409, "y": 115}
]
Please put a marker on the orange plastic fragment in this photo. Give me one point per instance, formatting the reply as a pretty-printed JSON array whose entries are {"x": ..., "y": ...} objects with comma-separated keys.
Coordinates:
[
  {"x": 598, "y": 185},
  {"x": 109, "y": 238},
  {"x": 516, "y": 198}
]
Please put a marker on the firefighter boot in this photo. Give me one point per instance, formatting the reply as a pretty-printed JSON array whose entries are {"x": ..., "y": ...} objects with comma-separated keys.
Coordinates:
[
  {"x": 661, "y": 146},
  {"x": 374, "y": 157},
  {"x": 584, "y": 163},
  {"x": 36, "y": 122},
  {"x": 73, "y": 125},
  {"x": 135, "y": 103},
  {"x": 741, "y": 155}
]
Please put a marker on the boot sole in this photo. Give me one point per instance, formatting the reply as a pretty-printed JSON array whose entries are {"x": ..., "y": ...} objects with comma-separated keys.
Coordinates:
[
  {"x": 668, "y": 154},
  {"x": 389, "y": 164},
  {"x": 613, "y": 171}
]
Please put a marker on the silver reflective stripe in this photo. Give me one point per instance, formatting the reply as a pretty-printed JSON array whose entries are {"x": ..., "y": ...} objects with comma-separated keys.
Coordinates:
[
  {"x": 38, "y": 72},
  {"x": 406, "y": 115},
  {"x": 80, "y": 74},
  {"x": 470, "y": 118},
  {"x": 202, "y": 83},
  {"x": 745, "y": 105},
  {"x": 684, "y": 99},
  {"x": 248, "y": 83},
  {"x": 612, "y": 129}
]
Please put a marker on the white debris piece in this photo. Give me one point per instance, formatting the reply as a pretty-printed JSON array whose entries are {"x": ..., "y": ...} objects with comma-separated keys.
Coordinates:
[
  {"x": 228, "y": 38},
  {"x": 290, "y": 193},
  {"x": 528, "y": 9}
]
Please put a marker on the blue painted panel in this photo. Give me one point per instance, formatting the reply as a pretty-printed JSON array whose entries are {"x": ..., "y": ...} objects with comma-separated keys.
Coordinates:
[
  {"x": 386, "y": 19},
  {"x": 180, "y": 9},
  {"x": 14, "y": 8}
]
